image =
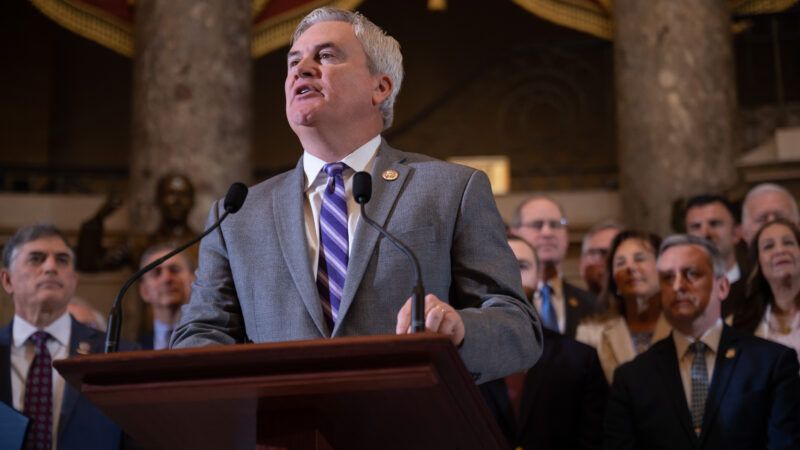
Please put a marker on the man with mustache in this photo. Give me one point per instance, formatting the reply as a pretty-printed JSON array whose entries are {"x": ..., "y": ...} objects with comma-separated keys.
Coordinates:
[
  {"x": 707, "y": 385},
  {"x": 39, "y": 275}
]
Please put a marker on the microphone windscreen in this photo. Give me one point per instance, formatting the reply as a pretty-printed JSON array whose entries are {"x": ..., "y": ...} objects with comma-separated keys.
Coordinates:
[
  {"x": 234, "y": 199},
  {"x": 362, "y": 187}
]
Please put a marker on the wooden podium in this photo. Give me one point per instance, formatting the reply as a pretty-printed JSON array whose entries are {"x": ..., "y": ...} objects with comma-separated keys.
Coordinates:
[{"x": 373, "y": 392}]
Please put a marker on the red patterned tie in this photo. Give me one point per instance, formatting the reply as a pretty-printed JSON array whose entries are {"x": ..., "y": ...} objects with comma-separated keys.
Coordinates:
[{"x": 39, "y": 395}]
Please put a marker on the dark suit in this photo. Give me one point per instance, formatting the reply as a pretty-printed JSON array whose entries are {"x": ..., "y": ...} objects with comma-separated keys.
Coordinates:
[
  {"x": 81, "y": 425},
  {"x": 563, "y": 399},
  {"x": 735, "y": 297},
  {"x": 146, "y": 341},
  {"x": 753, "y": 399},
  {"x": 578, "y": 304}
]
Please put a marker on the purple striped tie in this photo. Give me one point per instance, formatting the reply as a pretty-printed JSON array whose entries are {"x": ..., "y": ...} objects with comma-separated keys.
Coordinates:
[
  {"x": 333, "y": 242},
  {"x": 39, "y": 396}
]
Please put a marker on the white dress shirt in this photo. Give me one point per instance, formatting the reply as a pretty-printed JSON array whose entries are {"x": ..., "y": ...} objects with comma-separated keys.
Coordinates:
[
  {"x": 362, "y": 159},
  {"x": 734, "y": 274},
  {"x": 556, "y": 299},
  {"x": 685, "y": 357},
  {"x": 22, "y": 353},
  {"x": 790, "y": 339}
]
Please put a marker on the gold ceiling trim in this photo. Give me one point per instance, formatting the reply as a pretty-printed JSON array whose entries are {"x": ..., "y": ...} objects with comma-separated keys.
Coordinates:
[
  {"x": 109, "y": 31},
  {"x": 276, "y": 32},
  {"x": 578, "y": 15},
  {"x": 594, "y": 16},
  {"x": 90, "y": 22}
]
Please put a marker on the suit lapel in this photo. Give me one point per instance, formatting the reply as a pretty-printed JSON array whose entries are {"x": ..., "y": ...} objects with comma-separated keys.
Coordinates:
[
  {"x": 384, "y": 196},
  {"x": 619, "y": 341},
  {"x": 5, "y": 365},
  {"x": 80, "y": 337},
  {"x": 288, "y": 200},
  {"x": 670, "y": 374},
  {"x": 571, "y": 305},
  {"x": 724, "y": 365}
]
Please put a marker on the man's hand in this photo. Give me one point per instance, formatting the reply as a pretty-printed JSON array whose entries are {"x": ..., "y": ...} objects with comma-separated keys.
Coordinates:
[{"x": 439, "y": 317}]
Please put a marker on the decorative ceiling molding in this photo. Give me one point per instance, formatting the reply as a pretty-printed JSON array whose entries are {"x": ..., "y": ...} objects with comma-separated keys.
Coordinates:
[
  {"x": 595, "y": 16},
  {"x": 110, "y": 23}
]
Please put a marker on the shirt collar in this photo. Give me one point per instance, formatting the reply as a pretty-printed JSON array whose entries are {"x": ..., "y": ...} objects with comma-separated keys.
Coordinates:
[
  {"x": 734, "y": 274},
  {"x": 59, "y": 329},
  {"x": 357, "y": 160},
  {"x": 711, "y": 338},
  {"x": 554, "y": 284}
]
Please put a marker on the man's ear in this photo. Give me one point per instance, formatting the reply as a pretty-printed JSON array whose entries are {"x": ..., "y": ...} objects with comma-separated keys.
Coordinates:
[
  {"x": 383, "y": 89},
  {"x": 5, "y": 278},
  {"x": 723, "y": 288},
  {"x": 737, "y": 234}
]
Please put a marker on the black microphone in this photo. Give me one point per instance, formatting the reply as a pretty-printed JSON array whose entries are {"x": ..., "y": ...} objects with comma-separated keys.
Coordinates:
[
  {"x": 234, "y": 200},
  {"x": 362, "y": 192}
]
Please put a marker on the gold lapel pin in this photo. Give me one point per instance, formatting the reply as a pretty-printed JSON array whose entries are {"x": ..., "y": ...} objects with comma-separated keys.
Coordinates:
[
  {"x": 730, "y": 353},
  {"x": 390, "y": 175},
  {"x": 84, "y": 348},
  {"x": 573, "y": 302}
]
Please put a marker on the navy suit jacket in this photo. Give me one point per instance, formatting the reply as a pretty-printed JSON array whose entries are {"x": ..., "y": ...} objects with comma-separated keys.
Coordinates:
[
  {"x": 753, "y": 400},
  {"x": 578, "y": 305},
  {"x": 563, "y": 399},
  {"x": 81, "y": 426},
  {"x": 146, "y": 341}
]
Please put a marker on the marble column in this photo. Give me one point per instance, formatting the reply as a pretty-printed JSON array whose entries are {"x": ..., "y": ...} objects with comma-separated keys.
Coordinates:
[
  {"x": 676, "y": 104},
  {"x": 192, "y": 108}
]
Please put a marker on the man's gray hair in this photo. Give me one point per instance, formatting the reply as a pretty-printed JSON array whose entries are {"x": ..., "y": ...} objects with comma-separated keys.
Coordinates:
[
  {"x": 714, "y": 256},
  {"x": 764, "y": 188},
  {"x": 31, "y": 233},
  {"x": 383, "y": 51},
  {"x": 598, "y": 227}
]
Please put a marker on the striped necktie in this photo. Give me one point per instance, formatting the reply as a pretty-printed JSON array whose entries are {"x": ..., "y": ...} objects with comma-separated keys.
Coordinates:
[
  {"x": 699, "y": 384},
  {"x": 333, "y": 242},
  {"x": 39, "y": 394}
]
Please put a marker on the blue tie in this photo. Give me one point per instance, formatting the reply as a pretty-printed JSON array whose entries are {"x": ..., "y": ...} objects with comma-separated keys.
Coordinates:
[
  {"x": 333, "y": 242},
  {"x": 548, "y": 312}
]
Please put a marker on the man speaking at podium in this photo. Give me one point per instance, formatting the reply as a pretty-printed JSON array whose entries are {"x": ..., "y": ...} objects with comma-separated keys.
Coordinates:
[{"x": 298, "y": 263}]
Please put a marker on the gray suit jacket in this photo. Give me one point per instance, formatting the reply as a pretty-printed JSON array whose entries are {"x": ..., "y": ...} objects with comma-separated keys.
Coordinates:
[{"x": 255, "y": 281}]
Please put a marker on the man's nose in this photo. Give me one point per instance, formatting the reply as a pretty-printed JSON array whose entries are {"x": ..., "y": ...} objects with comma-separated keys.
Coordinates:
[
  {"x": 50, "y": 264},
  {"x": 305, "y": 67},
  {"x": 678, "y": 283}
]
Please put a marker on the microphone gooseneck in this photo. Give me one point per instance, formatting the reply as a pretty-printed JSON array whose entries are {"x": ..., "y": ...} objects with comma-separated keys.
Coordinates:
[
  {"x": 234, "y": 200},
  {"x": 362, "y": 193}
]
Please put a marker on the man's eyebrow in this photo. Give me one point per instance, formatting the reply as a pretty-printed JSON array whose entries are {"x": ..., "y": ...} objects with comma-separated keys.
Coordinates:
[{"x": 317, "y": 48}]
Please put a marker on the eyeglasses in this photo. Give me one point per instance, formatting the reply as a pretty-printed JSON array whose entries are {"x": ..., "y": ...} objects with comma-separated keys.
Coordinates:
[
  {"x": 554, "y": 224},
  {"x": 599, "y": 253}
]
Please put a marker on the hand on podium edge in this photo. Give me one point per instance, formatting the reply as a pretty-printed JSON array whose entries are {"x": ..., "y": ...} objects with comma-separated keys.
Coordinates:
[{"x": 440, "y": 318}]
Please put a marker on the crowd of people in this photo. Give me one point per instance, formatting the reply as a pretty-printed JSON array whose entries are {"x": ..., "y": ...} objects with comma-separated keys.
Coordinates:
[
  {"x": 677, "y": 344},
  {"x": 728, "y": 288}
]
